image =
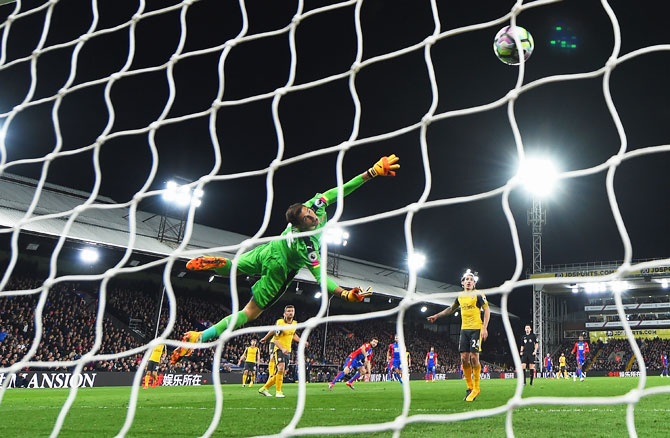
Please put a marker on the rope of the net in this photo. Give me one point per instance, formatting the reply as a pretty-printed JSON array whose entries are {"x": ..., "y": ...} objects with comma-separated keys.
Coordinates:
[{"x": 403, "y": 419}]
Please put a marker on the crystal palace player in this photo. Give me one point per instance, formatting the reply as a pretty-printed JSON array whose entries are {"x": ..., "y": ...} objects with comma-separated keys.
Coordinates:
[
  {"x": 580, "y": 349},
  {"x": 664, "y": 362},
  {"x": 393, "y": 358},
  {"x": 473, "y": 330},
  {"x": 528, "y": 343},
  {"x": 358, "y": 360},
  {"x": 278, "y": 261},
  {"x": 431, "y": 363},
  {"x": 548, "y": 365}
]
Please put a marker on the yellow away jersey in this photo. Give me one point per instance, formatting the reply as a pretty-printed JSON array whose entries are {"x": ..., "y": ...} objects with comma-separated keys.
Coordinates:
[
  {"x": 407, "y": 354},
  {"x": 157, "y": 353},
  {"x": 284, "y": 336},
  {"x": 561, "y": 361},
  {"x": 471, "y": 305},
  {"x": 252, "y": 353}
]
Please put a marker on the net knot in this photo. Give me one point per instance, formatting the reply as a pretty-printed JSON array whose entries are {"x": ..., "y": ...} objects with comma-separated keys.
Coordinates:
[
  {"x": 426, "y": 119},
  {"x": 611, "y": 63},
  {"x": 281, "y": 91},
  {"x": 513, "y": 94},
  {"x": 296, "y": 19},
  {"x": 355, "y": 67},
  {"x": 614, "y": 160},
  {"x": 431, "y": 40}
]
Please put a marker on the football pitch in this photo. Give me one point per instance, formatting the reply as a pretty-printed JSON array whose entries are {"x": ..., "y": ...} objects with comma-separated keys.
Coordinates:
[{"x": 187, "y": 411}]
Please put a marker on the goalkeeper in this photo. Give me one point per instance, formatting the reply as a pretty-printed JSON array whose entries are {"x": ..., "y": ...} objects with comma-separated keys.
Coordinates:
[{"x": 279, "y": 261}]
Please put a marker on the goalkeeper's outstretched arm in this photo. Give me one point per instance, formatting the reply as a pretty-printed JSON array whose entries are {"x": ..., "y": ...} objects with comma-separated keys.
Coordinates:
[{"x": 386, "y": 166}]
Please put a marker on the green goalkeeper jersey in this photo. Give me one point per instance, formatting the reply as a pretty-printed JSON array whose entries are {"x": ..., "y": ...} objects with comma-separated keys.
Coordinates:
[{"x": 299, "y": 252}]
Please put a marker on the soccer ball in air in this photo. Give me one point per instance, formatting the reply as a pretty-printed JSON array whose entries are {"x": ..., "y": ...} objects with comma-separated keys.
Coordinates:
[{"x": 505, "y": 47}]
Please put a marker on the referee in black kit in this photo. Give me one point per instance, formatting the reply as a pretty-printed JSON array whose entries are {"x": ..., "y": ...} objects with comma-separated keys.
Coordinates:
[{"x": 529, "y": 346}]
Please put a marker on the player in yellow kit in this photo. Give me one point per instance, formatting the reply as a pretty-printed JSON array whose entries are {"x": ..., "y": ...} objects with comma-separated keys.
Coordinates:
[
  {"x": 282, "y": 340},
  {"x": 473, "y": 330},
  {"x": 562, "y": 366},
  {"x": 157, "y": 355},
  {"x": 250, "y": 358}
]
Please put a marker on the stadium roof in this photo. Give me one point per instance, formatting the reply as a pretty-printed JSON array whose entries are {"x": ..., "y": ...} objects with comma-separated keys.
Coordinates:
[
  {"x": 108, "y": 226},
  {"x": 651, "y": 279}
]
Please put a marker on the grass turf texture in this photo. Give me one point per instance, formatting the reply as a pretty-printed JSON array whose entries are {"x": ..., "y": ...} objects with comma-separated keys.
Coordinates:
[{"x": 187, "y": 411}]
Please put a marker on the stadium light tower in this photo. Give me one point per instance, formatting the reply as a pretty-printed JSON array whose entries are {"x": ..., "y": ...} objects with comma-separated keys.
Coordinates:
[
  {"x": 177, "y": 197},
  {"x": 335, "y": 236},
  {"x": 539, "y": 176}
]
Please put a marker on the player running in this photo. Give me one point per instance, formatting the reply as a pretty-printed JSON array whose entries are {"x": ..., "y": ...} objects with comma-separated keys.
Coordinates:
[
  {"x": 431, "y": 363},
  {"x": 580, "y": 349},
  {"x": 251, "y": 359},
  {"x": 278, "y": 261},
  {"x": 358, "y": 360},
  {"x": 528, "y": 343},
  {"x": 562, "y": 366},
  {"x": 473, "y": 330},
  {"x": 664, "y": 362}
]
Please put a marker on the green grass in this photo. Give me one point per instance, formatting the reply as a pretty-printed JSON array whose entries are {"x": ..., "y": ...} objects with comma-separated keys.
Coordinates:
[{"x": 187, "y": 411}]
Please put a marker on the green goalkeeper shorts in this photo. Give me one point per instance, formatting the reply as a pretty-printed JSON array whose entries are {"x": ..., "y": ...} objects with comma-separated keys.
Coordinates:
[{"x": 275, "y": 276}]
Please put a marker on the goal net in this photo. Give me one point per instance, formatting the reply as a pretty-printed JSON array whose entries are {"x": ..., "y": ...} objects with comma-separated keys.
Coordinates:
[{"x": 113, "y": 95}]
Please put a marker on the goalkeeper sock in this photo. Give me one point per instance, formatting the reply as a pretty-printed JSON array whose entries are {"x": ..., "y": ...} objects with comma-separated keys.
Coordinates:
[
  {"x": 532, "y": 375},
  {"x": 279, "y": 380},
  {"x": 338, "y": 377},
  {"x": 476, "y": 374},
  {"x": 467, "y": 373},
  {"x": 218, "y": 328},
  {"x": 353, "y": 379}
]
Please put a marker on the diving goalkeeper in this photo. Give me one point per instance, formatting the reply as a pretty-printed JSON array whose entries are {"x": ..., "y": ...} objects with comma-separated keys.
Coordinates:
[{"x": 279, "y": 261}]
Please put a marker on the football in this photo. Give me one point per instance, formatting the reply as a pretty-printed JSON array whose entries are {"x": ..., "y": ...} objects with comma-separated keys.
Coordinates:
[{"x": 505, "y": 48}]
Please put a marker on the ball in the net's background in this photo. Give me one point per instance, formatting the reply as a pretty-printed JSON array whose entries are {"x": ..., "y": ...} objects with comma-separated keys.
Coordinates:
[{"x": 505, "y": 48}]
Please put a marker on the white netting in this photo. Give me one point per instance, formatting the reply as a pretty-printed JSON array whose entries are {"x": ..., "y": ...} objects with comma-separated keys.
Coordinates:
[{"x": 44, "y": 12}]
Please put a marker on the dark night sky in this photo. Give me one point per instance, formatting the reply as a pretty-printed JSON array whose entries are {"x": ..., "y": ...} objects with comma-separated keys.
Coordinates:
[{"x": 471, "y": 154}]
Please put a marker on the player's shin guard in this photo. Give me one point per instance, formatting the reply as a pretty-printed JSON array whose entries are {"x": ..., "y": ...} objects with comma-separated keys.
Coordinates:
[
  {"x": 467, "y": 373},
  {"x": 279, "y": 380},
  {"x": 338, "y": 377},
  {"x": 353, "y": 379},
  {"x": 476, "y": 374},
  {"x": 218, "y": 328}
]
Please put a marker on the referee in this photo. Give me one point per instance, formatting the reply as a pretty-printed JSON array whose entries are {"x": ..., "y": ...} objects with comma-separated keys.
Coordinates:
[{"x": 529, "y": 346}]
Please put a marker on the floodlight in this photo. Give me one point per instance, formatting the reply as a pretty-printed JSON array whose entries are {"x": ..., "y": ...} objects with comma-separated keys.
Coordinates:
[
  {"x": 423, "y": 309},
  {"x": 664, "y": 283},
  {"x": 89, "y": 255},
  {"x": 211, "y": 278},
  {"x": 317, "y": 295},
  {"x": 416, "y": 261},
  {"x": 336, "y": 236},
  {"x": 538, "y": 175},
  {"x": 182, "y": 196}
]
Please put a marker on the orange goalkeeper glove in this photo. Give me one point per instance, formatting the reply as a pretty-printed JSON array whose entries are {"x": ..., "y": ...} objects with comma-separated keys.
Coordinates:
[
  {"x": 356, "y": 294},
  {"x": 385, "y": 166}
]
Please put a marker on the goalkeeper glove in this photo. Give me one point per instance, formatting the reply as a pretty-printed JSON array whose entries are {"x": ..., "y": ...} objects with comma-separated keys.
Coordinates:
[
  {"x": 356, "y": 294},
  {"x": 385, "y": 166}
]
